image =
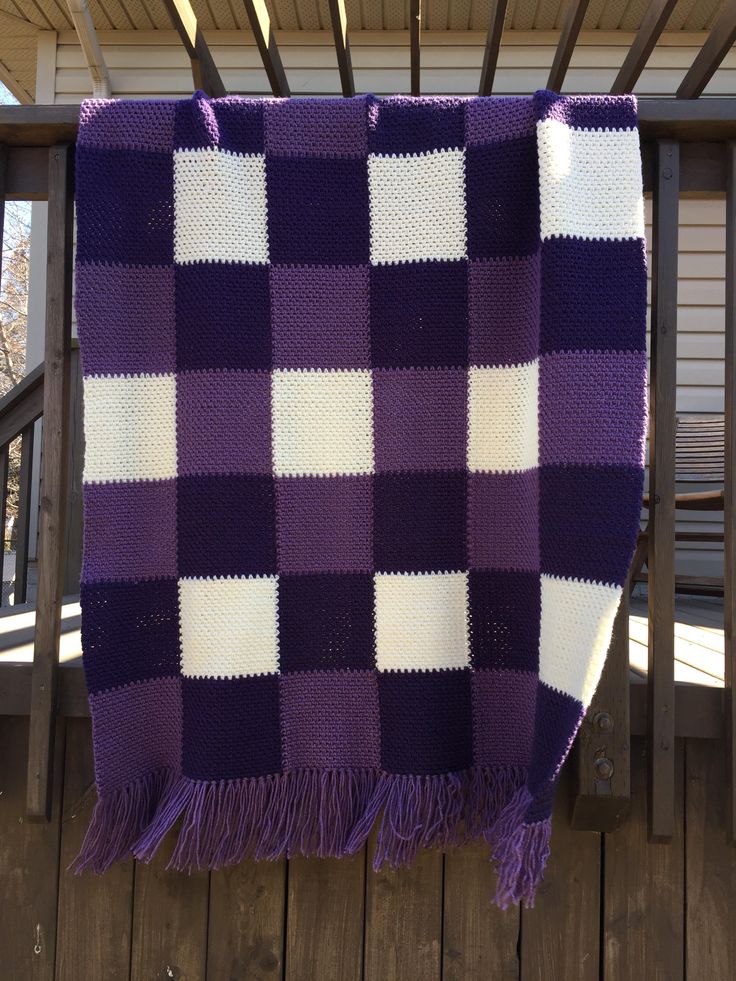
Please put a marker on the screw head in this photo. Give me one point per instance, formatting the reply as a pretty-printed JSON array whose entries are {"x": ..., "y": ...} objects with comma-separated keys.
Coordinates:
[
  {"x": 604, "y": 721},
  {"x": 603, "y": 768}
]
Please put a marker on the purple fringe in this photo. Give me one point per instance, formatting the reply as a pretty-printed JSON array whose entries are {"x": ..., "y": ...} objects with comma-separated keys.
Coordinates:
[{"x": 324, "y": 813}]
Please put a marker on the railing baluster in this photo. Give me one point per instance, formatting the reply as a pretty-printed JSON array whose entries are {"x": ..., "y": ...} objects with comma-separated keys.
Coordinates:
[
  {"x": 729, "y": 506},
  {"x": 52, "y": 511},
  {"x": 22, "y": 538},
  {"x": 661, "y": 589}
]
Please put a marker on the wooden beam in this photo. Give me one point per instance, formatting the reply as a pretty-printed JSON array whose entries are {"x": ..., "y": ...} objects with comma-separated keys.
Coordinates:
[
  {"x": 661, "y": 559},
  {"x": 709, "y": 58},
  {"x": 204, "y": 71},
  {"x": 52, "y": 505},
  {"x": 339, "y": 20},
  {"x": 415, "y": 30},
  {"x": 493, "y": 45},
  {"x": 566, "y": 45},
  {"x": 653, "y": 23},
  {"x": 729, "y": 505},
  {"x": 260, "y": 24}
]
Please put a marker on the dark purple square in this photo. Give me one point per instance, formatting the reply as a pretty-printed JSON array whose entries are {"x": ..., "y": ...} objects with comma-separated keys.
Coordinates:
[
  {"x": 316, "y": 127},
  {"x": 419, "y": 314},
  {"x": 505, "y": 609},
  {"x": 594, "y": 295},
  {"x": 589, "y": 521},
  {"x": 318, "y": 210},
  {"x": 503, "y": 310},
  {"x": 124, "y": 206},
  {"x": 231, "y": 727},
  {"x": 503, "y": 520},
  {"x": 223, "y": 422},
  {"x": 424, "y": 721},
  {"x": 562, "y": 716},
  {"x": 408, "y": 125},
  {"x": 129, "y": 530},
  {"x": 498, "y": 119},
  {"x": 239, "y": 124},
  {"x": 227, "y": 525},
  {"x": 331, "y": 719},
  {"x": 502, "y": 188},
  {"x": 223, "y": 315},
  {"x": 195, "y": 125},
  {"x": 326, "y": 622},
  {"x": 587, "y": 112},
  {"x": 419, "y": 522},
  {"x": 504, "y": 705},
  {"x": 420, "y": 418},
  {"x": 130, "y": 632}
]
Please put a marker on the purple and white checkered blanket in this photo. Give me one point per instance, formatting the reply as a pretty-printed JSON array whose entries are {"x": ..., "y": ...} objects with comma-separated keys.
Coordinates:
[{"x": 365, "y": 404}]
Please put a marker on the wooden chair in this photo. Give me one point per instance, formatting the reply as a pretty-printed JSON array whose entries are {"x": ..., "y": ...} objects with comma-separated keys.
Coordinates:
[{"x": 699, "y": 459}]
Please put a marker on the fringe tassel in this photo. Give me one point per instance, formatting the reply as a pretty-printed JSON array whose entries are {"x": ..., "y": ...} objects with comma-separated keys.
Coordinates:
[{"x": 324, "y": 813}]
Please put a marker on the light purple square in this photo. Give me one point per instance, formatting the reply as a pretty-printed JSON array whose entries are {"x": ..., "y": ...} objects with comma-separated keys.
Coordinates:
[
  {"x": 503, "y": 310},
  {"x": 320, "y": 316},
  {"x": 224, "y": 422},
  {"x": 125, "y": 318},
  {"x": 590, "y": 405},
  {"x": 498, "y": 119},
  {"x": 503, "y": 521},
  {"x": 503, "y": 717},
  {"x": 311, "y": 127},
  {"x": 330, "y": 719},
  {"x": 420, "y": 418},
  {"x": 324, "y": 524},
  {"x": 144, "y": 125},
  {"x": 129, "y": 530}
]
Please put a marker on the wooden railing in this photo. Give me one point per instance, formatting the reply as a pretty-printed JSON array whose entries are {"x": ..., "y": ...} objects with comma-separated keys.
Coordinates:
[{"x": 689, "y": 147}]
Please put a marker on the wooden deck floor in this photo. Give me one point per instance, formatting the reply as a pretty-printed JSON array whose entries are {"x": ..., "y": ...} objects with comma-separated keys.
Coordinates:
[{"x": 698, "y": 638}]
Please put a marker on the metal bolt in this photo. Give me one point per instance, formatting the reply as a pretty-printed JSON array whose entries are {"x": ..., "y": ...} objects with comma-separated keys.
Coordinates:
[
  {"x": 604, "y": 721},
  {"x": 603, "y": 768},
  {"x": 667, "y": 173}
]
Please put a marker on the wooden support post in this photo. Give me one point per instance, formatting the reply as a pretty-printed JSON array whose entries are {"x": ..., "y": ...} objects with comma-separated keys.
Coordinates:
[
  {"x": 415, "y": 30},
  {"x": 260, "y": 24},
  {"x": 493, "y": 45},
  {"x": 661, "y": 562},
  {"x": 52, "y": 508},
  {"x": 566, "y": 45},
  {"x": 729, "y": 504},
  {"x": 339, "y": 20},
  {"x": 22, "y": 541},
  {"x": 653, "y": 23},
  {"x": 603, "y": 784},
  {"x": 204, "y": 71},
  {"x": 709, "y": 58}
]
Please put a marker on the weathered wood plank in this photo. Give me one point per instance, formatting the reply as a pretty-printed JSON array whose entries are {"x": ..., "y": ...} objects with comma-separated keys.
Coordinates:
[
  {"x": 560, "y": 937},
  {"x": 493, "y": 46},
  {"x": 169, "y": 921},
  {"x": 29, "y": 862},
  {"x": 729, "y": 496},
  {"x": 95, "y": 911},
  {"x": 73, "y": 529},
  {"x": 479, "y": 941},
  {"x": 644, "y": 891},
  {"x": 661, "y": 560},
  {"x": 247, "y": 922},
  {"x": 710, "y": 866},
  {"x": 52, "y": 504},
  {"x": 403, "y": 929},
  {"x": 325, "y": 918}
]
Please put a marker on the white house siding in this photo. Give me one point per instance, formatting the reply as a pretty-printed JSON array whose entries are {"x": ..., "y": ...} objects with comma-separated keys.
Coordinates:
[{"x": 154, "y": 64}]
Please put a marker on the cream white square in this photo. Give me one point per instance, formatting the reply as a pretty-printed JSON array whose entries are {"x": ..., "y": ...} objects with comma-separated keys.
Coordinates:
[
  {"x": 575, "y": 633},
  {"x": 421, "y": 621},
  {"x": 590, "y": 182},
  {"x": 129, "y": 427},
  {"x": 228, "y": 627},
  {"x": 503, "y": 427},
  {"x": 322, "y": 422},
  {"x": 417, "y": 205},
  {"x": 219, "y": 206}
]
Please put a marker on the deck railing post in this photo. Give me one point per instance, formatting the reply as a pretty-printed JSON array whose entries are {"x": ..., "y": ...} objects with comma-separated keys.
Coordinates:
[
  {"x": 729, "y": 504},
  {"x": 661, "y": 563},
  {"x": 52, "y": 507}
]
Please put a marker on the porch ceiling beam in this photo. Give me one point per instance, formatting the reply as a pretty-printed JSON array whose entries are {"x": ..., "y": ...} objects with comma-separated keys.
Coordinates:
[
  {"x": 85, "y": 28},
  {"x": 204, "y": 71},
  {"x": 566, "y": 45},
  {"x": 493, "y": 45},
  {"x": 415, "y": 30},
  {"x": 709, "y": 58},
  {"x": 339, "y": 19},
  {"x": 653, "y": 23},
  {"x": 260, "y": 24}
]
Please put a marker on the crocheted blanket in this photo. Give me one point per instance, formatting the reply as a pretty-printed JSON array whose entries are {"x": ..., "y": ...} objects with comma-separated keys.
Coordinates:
[{"x": 364, "y": 387}]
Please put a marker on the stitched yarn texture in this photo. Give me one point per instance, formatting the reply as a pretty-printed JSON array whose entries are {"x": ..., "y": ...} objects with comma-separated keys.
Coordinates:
[{"x": 365, "y": 414}]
